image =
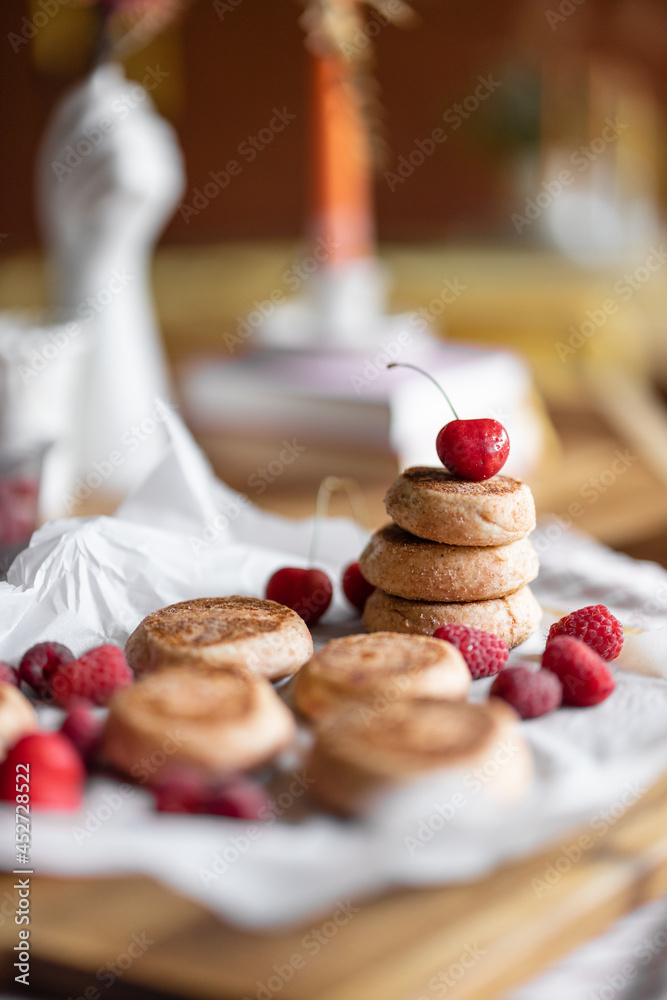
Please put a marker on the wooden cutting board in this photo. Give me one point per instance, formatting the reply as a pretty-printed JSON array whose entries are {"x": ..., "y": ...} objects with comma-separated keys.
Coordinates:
[{"x": 473, "y": 942}]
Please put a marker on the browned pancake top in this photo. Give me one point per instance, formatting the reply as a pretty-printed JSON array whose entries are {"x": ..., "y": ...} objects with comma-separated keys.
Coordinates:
[
  {"x": 360, "y": 659},
  {"x": 437, "y": 730},
  {"x": 207, "y": 621},
  {"x": 400, "y": 537},
  {"x": 195, "y": 696},
  {"x": 441, "y": 481}
]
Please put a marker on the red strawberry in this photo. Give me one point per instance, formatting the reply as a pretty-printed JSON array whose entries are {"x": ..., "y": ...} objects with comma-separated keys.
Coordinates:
[
  {"x": 530, "y": 693},
  {"x": 586, "y": 678},
  {"x": 596, "y": 626},
  {"x": 56, "y": 773},
  {"x": 484, "y": 653},
  {"x": 94, "y": 676}
]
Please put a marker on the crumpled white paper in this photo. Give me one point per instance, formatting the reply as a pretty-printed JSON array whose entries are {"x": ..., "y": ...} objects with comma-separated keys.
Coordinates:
[{"x": 184, "y": 534}]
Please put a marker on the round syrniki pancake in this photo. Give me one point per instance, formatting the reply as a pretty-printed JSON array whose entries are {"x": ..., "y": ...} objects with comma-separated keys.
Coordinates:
[
  {"x": 356, "y": 759},
  {"x": 420, "y": 570},
  {"x": 432, "y": 503},
  {"x": 383, "y": 667},
  {"x": 513, "y": 618},
  {"x": 267, "y": 638},
  {"x": 217, "y": 721}
]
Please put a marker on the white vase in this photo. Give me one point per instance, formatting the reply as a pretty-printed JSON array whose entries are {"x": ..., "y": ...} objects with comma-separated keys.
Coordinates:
[{"x": 109, "y": 176}]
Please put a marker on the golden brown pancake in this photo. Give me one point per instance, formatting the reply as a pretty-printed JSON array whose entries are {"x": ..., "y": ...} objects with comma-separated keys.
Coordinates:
[
  {"x": 263, "y": 636},
  {"x": 432, "y": 503},
  {"x": 377, "y": 669},
  {"x": 513, "y": 618},
  {"x": 420, "y": 570},
  {"x": 358, "y": 756},
  {"x": 219, "y": 721}
]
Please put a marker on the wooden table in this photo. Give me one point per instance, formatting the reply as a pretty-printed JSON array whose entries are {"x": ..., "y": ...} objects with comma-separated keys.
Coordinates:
[
  {"x": 389, "y": 950},
  {"x": 395, "y": 944}
]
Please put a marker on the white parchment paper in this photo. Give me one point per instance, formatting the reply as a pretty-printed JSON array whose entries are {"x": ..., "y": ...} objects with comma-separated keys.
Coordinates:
[{"x": 184, "y": 534}]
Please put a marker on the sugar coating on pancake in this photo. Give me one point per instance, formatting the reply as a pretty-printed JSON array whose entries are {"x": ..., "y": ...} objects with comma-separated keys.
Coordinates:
[
  {"x": 434, "y": 504},
  {"x": 419, "y": 569},
  {"x": 385, "y": 665},
  {"x": 263, "y": 636},
  {"x": 216, "y": 720},
  {"x": 513, "y": 618}
]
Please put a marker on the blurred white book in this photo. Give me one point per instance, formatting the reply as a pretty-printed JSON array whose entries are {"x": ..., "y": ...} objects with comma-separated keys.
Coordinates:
[{"x": 346, "y": 401}]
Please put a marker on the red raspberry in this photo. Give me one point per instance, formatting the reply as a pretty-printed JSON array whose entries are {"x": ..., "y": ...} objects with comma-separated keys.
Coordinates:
[
  {"x": 186, "y": 791},
  {"x": 8, "y": 675},
  {"x": 530, "y": 692},
  {"x": 82, "y": 727},
  {"x": 94, "y": 676},
  {"x": 40, "y": 662},
  {"x": 586, "y": 678},
  {"x": 240, "y": 798},
  {"x": 183, "y": 791},
  {"x": 484, "y": 653},
  {"x": 596, "y": 626},
  {"x": 56, "y": 772}
]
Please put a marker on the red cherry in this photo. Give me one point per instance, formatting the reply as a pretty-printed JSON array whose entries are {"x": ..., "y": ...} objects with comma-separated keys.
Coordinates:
[
  {"x": 56, "y": 772},
  {"x": 356, "y": 587},
  {"x": 306, "y": 591},
  {"x": 473, "y": 449}
]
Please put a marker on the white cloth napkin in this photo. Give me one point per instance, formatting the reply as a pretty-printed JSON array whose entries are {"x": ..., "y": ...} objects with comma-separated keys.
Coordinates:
[{"x": 184, "y": 534}]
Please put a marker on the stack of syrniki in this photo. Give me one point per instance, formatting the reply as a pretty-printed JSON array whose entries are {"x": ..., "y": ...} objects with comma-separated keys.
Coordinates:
[{"x": 457, "y": 552}]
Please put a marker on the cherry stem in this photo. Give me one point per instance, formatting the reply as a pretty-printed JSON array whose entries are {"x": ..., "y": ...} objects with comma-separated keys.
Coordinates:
[
  {"x": 401, "y": 364},
  {"x": 329, "y": 486}
]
